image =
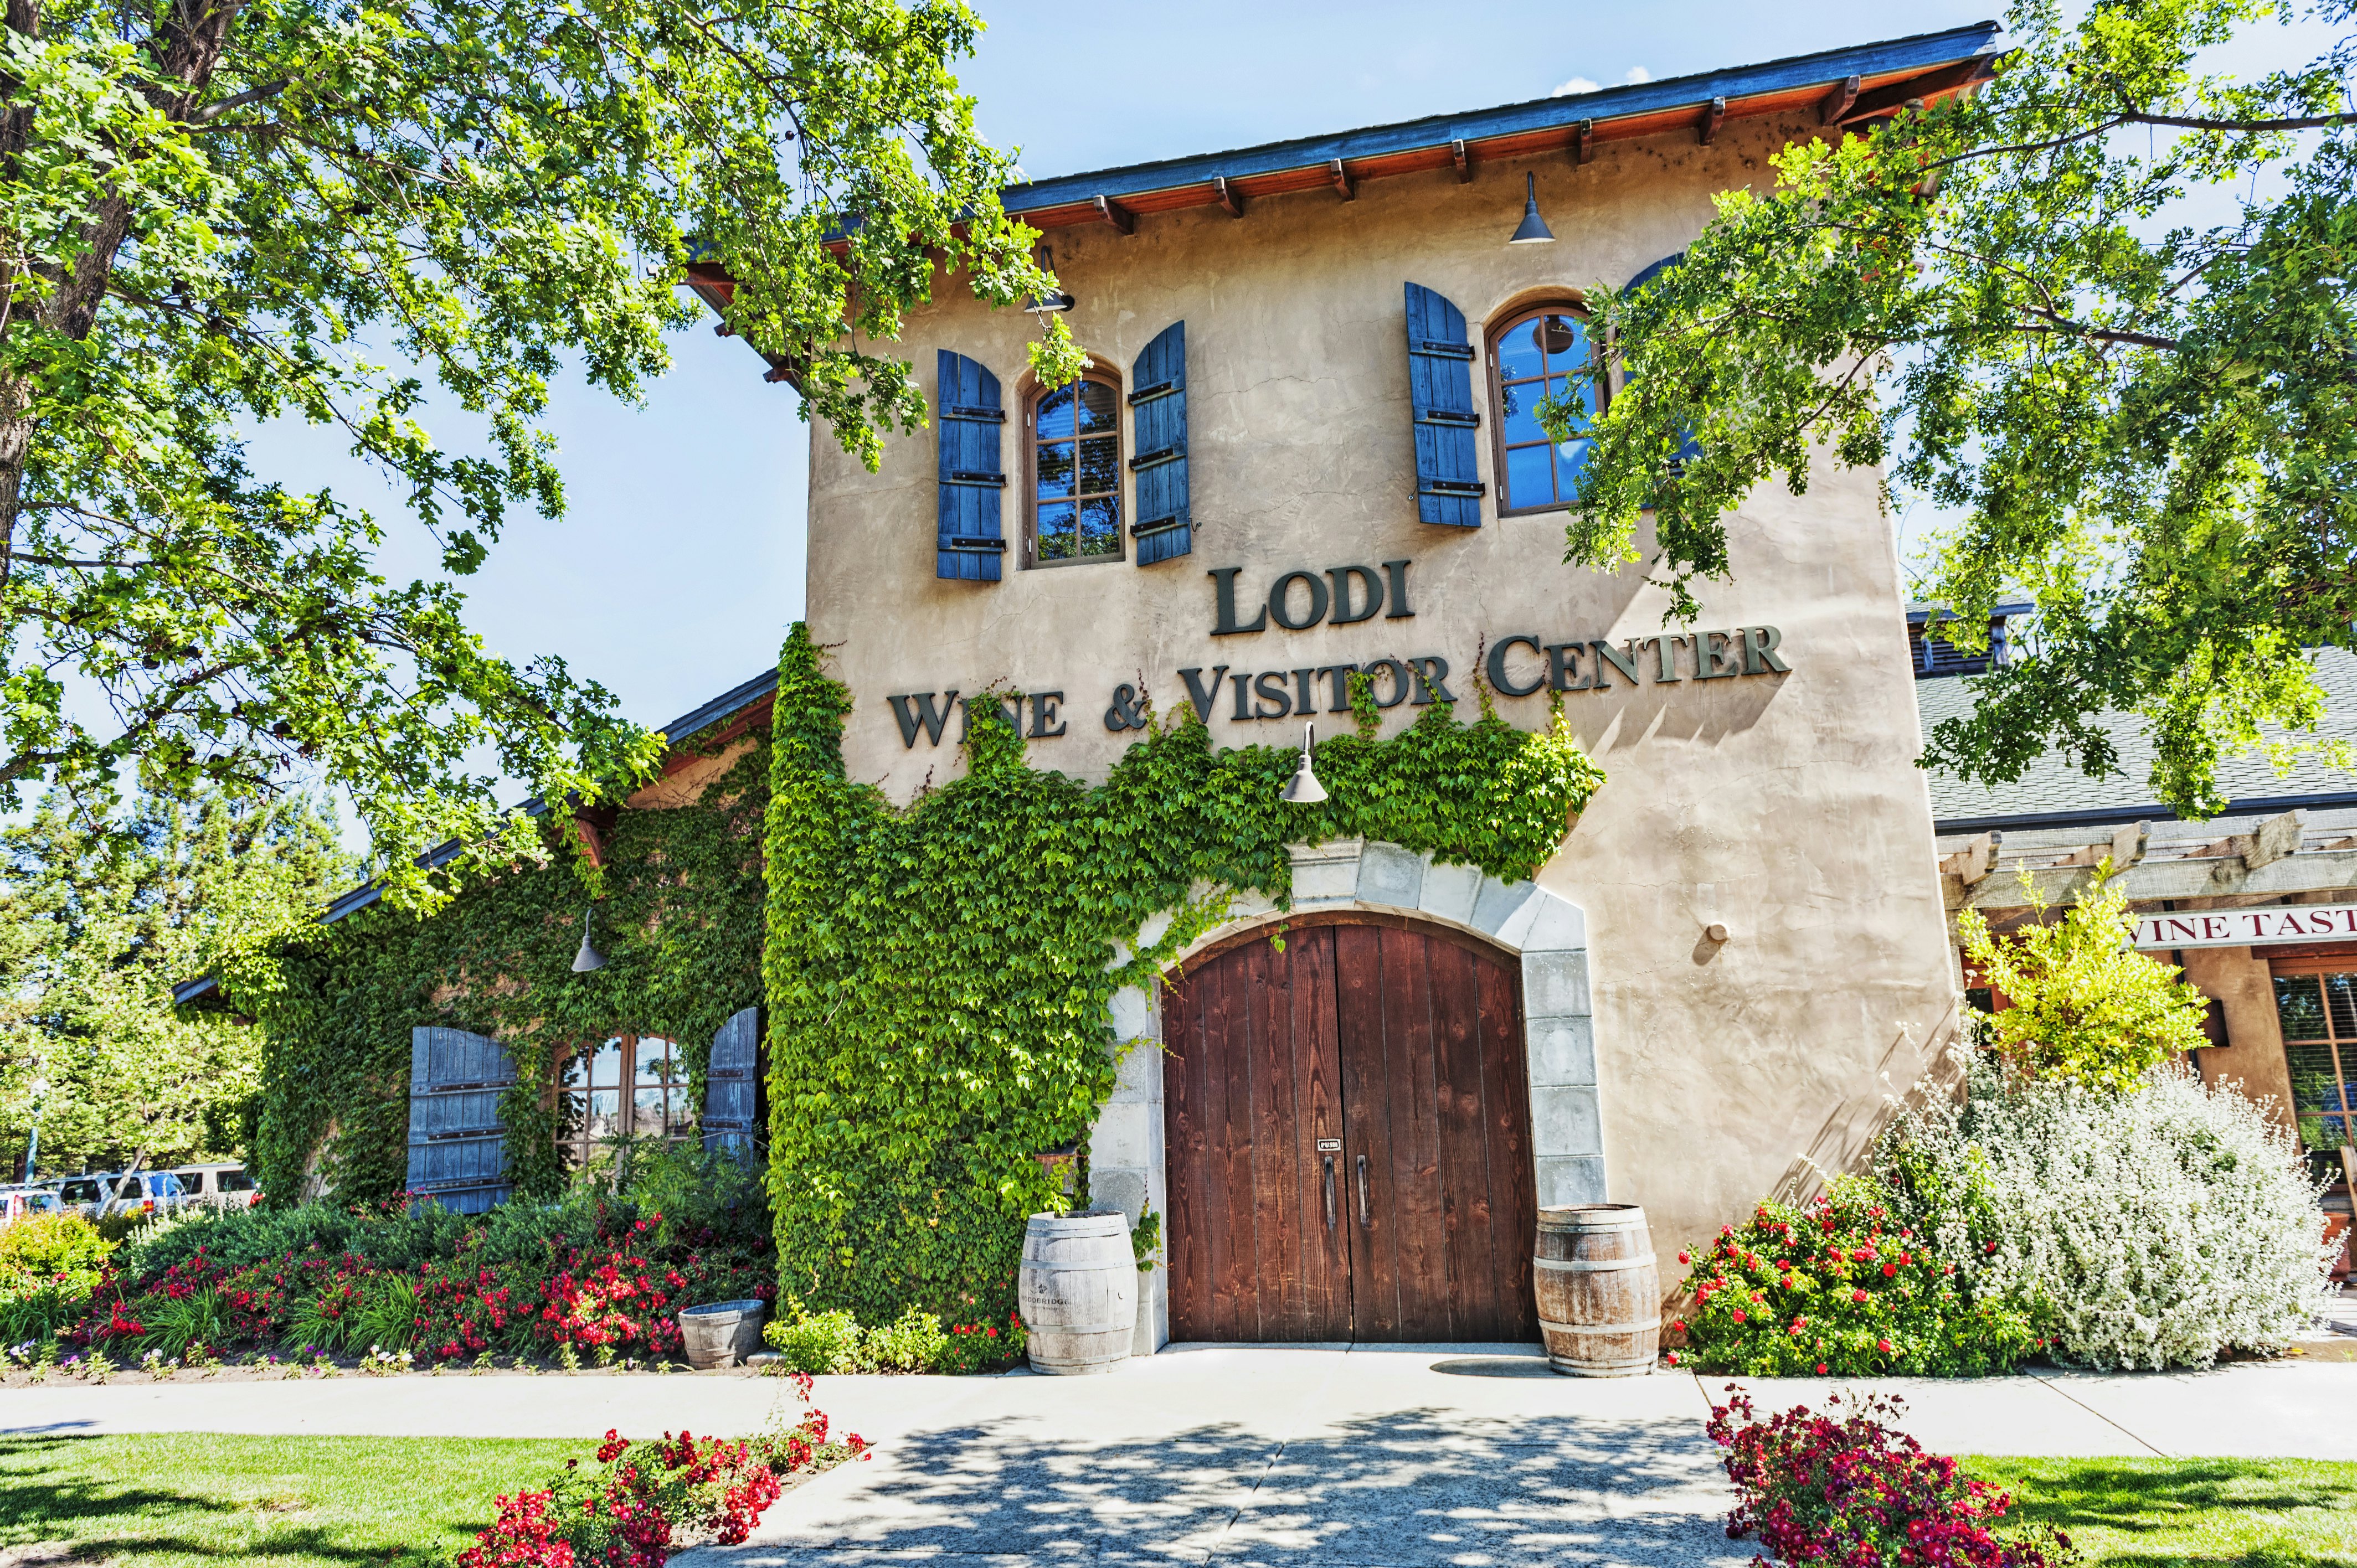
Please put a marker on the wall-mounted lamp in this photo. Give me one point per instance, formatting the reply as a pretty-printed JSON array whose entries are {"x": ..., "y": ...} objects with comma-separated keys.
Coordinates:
[
  {"x": 588, "y": 959},
  {"x": 1534, "y": 230},
  {"x": 1056, "y": 300},
  {"x": 1305, "y": 789}
]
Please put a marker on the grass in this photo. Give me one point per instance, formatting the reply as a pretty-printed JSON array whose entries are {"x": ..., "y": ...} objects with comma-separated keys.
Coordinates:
[
  {"x": 2188, "y": 1513},
  {"x": 181, "y": 1499}
]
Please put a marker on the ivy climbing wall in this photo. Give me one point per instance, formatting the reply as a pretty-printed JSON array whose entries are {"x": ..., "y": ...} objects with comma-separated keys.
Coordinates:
[
  {"x": 679, "y": 921},
  {"x": 939, "y": 977}
]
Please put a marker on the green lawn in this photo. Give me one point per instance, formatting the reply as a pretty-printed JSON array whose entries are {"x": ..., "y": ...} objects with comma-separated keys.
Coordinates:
[
  {"x": 186, "y": 1499},
  {"x": 2188, "y": 1513}
]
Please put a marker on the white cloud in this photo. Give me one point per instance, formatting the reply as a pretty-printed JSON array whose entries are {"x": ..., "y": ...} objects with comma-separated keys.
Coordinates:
[{"x": 1577, "y": 84}]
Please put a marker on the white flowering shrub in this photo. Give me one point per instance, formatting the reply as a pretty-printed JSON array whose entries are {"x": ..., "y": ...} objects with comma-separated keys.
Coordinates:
[{"x": 2158, "y": 1227}]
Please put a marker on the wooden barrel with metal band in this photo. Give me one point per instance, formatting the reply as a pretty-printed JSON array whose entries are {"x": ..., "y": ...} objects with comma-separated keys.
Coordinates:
[
  {"x": 1078, "y": 1289},
  {"x": 1599, "y": 1295}
]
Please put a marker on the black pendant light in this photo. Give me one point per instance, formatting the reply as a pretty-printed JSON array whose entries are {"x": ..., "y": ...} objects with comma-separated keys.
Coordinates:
[
  {"x": 589, "y": 959},
  {"x": 1305, "y": 789},
  {"x": 1056, "y": 300},
  {"x": 1534, "y": 230}
]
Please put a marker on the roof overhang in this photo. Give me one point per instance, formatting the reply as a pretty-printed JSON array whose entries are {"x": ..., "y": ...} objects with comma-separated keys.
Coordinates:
[
  {"x": 732, "y": 713},
  {"x": 1838, "y": 87}
]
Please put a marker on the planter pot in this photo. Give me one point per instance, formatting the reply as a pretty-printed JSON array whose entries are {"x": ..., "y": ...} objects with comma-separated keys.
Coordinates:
[
  {"x": 1600, "y": 1293},
  {"x": 721, "y": 1335},
  {"x": 1079, "y": 1291}
]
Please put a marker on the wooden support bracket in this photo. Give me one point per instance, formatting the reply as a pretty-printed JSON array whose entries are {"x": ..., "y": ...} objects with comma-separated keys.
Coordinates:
[
  {"x": 1838, "y": 103},
  {"x": 1230, "y": 199},
  {"x": 1583, "y": 148},
  {"x": 1464, "y": 160},
  {"x": 1343, "y": 187},
  {"x": 1973, "y": 863},
  {"x": 2123, "y": 849},
  {"x": 1115, "y": 213},
  {"x": 1712, "y": 119},
  {"x": 2270, "y": 842},
  {"x": 591, "y": 824}
]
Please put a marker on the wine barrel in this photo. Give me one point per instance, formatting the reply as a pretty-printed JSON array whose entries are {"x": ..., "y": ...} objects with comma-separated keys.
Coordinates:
[
  {"x": 720, "y": 1335},
  {"x": 1599, "y": 1295},
  {"x": 1078, "y": 1290}
]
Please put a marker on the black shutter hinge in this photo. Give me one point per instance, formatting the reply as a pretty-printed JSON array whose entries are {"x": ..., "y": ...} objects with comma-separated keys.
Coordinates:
[
  {"x": 1447, "y": 416},
  {"x": 1159, "y": 525},
  {"x": 1445, "y": 350},
  {"x": 967, "y": 542},
  {"x": 974, "y": 411},
  {"x": 1452, "y": 487},
  {"x": 1159, "y": 389},
  {"x": 1160, "y": 455},
  {"x": 973, "y": 476}
]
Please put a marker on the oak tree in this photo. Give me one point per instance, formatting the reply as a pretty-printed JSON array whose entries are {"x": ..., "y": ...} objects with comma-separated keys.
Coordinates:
[
  {"x": 2102, "y": 311},
  {"x": 219, "y": 212}
]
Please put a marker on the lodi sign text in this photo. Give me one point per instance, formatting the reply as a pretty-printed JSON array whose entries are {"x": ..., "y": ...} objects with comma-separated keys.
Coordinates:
[{"x": 1516, "y": 663}]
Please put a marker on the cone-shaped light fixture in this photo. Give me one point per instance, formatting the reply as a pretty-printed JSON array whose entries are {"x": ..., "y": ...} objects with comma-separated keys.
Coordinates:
[
  {"x": 588, "y": 959},
  {"x": 1056, "y": 300},
  {"x": 1305, "y": 789},
  {"x": 1534, "y": 230}
]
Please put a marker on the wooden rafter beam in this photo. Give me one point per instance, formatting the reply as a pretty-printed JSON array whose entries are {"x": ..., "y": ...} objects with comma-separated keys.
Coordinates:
[
  {"x": 1230, "y": 197},
  {"x": 1584, "y": 143},
  {"x": 1464, "y": 160},
  {"x": 1115, "y": 213},
  {"x": 1341, "y": 179},
  {"x": 1838, "y": 103},
  {"x": 1713, "y": 117}
]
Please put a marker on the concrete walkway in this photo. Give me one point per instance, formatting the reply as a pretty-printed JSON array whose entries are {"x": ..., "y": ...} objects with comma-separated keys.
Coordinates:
[{"x": 1316, "y": 1457}]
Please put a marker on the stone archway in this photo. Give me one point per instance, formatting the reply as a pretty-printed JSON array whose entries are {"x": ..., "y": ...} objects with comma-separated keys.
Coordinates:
[{"x": 1546, "y": 934}]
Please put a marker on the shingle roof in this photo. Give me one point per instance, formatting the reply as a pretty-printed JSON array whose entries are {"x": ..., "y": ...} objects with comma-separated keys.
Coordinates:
[{"x": 2055, "y": 793}]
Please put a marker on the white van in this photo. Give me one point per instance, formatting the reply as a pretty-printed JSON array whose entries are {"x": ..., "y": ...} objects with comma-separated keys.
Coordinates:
[
  {"x": 222, "y": 1185},
  {"x": 21, "y": 1202}
]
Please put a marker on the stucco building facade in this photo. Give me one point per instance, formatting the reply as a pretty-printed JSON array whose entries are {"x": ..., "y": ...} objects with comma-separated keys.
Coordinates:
[{"x": 1741, "y": 951}]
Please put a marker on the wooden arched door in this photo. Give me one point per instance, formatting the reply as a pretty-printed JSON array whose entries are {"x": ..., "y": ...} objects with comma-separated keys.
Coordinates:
[{"x": 1348, "y": 1118}]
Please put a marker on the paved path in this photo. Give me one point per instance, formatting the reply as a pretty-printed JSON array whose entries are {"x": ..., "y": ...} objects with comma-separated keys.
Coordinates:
[{"x": 1309, "y": 1457}]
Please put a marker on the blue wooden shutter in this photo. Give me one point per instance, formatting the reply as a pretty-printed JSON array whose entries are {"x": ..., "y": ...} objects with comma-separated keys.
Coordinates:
[
  {"x": 1440, "y": 391},
  {"x": 1688, "y": 448},
  {"x": 458, "y": 1149},
  {"x": 971, "y": 479},
  {"x": 731, "y": 1088},
  {"x": 1158, "y": 435}
]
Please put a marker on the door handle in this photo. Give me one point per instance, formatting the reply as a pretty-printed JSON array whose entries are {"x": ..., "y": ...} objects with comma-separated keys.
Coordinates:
[
  {"x": 1365, "y": 1219},
  {"x": 1329, "y": 1192}
]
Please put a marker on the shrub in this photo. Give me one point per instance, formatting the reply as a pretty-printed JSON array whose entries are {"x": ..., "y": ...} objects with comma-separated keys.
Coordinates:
[
  {"x": 37, "y": 1251},
  {"x": 2162, "y": 1227},
  {"x": 816, "y": 1342},
  {"x": 389, "y": 1236},
  {"x": 49, "y": 1267},
  {"x": 703, "y": 1199},
  {"x": 911, "y": 1344},
  {"x": 1855, "y": 1493},
  {"x": 2086, "y": 1006},
  {"x": 1841, "y": 1288},
  {"x": 982, "y": 1347}
]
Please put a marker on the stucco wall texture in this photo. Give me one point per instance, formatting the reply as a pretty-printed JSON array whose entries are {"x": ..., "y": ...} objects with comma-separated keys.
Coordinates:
[{"x": 1785, "y": 806}]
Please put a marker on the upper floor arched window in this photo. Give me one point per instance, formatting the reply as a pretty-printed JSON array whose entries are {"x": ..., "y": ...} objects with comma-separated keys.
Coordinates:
[
  {"x": 1074, "y": 474},
  {"x": 1535, "y": 355}
]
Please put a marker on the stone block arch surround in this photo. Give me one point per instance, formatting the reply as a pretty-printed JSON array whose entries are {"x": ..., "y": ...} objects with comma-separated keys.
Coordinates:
[{"x": 1549, "y": 934}]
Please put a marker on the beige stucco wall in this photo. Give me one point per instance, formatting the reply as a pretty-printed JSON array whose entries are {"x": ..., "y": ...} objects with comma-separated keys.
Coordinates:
[{"x": 1785, "y": 806}]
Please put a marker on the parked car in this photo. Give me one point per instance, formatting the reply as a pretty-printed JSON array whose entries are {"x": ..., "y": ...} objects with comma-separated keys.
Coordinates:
[
  {"x": 221, "y": 1186},
  {"x": 130, "y": 1192},
  {"x": 21, "y": 1202}
]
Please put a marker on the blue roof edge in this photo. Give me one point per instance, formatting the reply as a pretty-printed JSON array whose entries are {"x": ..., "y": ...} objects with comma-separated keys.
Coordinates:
[
  {"x": 725, "y": 705},
  {"x": 2101, "y": 816},
  {"x": 1917, "y": 51}
]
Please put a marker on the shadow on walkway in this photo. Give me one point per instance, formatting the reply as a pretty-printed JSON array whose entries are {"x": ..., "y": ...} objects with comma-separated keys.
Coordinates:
[{"x": 1418, "y": 1487}]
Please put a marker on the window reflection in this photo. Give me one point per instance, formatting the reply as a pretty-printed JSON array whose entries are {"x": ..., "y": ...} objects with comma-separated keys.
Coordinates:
[
  {"x": 1539, "y": 357},
  {"x": 1076, "y": 474},
  {"x": 628, "y": 1086}
]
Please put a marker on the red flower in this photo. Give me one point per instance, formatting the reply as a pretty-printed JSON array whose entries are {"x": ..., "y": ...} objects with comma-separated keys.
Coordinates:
[
  {"x": 1883, "y": 1346},
  {"x": 1888, "y": 1270},
  {"x": 1739, "y": 1314}
]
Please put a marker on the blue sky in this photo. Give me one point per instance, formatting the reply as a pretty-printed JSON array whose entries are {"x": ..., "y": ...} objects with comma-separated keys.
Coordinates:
[{"x": 678, "y": 564}]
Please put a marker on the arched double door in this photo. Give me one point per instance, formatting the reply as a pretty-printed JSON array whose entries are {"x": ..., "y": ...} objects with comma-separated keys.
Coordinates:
[{"x": 1347, "y": 1111}]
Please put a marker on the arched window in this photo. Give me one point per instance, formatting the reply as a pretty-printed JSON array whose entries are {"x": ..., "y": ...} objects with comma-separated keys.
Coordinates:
[
  {"x": 627, "y": 1086},
  {"x": 1537, "y": 354},
  {"x": 1074, "y": 465}
]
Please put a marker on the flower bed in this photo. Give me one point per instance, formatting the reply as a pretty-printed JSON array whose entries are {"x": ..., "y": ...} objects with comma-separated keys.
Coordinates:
[
  {"x": 588, "y": 1279},
  {"x": 1855, "y": 1493},
  {"x": 641, "y": 1503},
  {"x": 1839, "y": 1288}
]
